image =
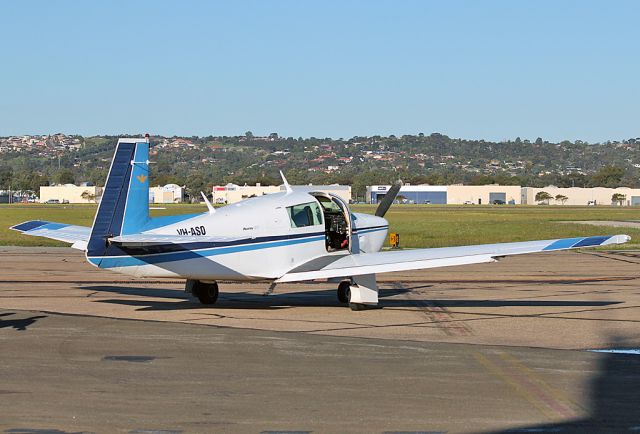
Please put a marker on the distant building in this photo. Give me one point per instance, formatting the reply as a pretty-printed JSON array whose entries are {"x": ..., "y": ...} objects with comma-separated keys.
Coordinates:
[
  {"x": 70, "y": 193},
  {"x": 170, "y": 193},
  {"x": 507, "y": 194},
  {"x": 9, "y": 197},
  {"x": 581, "y": 196},
  {"x": 449, "y": 194},
  {"x": 232, "y": 193},
  {"x": 343, "y": 191}
]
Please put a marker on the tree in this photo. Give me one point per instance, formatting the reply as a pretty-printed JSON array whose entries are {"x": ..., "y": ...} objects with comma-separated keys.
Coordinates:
[
  {"x": 543, "y": 196},
  {"x": 89, "y": 197},
  {"x": 608, "y": 176},
  {"x": 6, "y": 174},
  {"x": 65, "y": 176},
  {"x": 561, "y": 198},
  {"x": 619, "y": 198}
]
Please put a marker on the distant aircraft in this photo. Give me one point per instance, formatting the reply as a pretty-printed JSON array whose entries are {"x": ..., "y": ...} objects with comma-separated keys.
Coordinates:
[{"x": 290, "y": 236}]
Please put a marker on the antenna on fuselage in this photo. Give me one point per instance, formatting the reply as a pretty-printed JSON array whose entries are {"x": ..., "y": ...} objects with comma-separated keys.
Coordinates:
[
  {"x": 212, "y": 210},
  {"x": 286, "y": 183}
]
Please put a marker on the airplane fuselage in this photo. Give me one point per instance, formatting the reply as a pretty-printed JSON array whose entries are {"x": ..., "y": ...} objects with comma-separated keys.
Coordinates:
[{"x": 259, "y": 238}]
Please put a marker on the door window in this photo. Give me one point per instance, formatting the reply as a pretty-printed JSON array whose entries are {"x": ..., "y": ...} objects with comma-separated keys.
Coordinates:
[{"x": 305, "y": 214}]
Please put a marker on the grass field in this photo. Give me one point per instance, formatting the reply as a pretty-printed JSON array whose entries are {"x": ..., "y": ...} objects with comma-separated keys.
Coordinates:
[
  {"x": 418, "y": 225},
  {"x": 440, "y": 226},
  {"x": 72, "y": 214}
]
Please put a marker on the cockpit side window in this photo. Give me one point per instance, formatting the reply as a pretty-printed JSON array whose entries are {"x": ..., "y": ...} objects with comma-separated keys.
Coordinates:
[{"x": 305, "y": 214}]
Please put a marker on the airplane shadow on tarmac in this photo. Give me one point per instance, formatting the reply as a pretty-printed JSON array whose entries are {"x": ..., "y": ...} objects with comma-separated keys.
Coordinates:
[
  {"x": 19, "y": 324},
  {"x": 317, "y": 298},
  {"x": 614, "y": 400}
]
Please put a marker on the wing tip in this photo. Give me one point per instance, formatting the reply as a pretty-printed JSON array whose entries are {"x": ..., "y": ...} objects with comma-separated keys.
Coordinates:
[{"x": 28, "y": 225}]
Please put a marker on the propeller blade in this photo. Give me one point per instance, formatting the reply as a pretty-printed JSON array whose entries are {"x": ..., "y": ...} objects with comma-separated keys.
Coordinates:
[{"x": 388, "y": 199}]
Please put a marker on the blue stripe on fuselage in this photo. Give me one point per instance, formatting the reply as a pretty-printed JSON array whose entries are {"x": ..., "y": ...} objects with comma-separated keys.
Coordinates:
[
  {"x": 368, "y": 230},
  {"x": 128, "y": 261},
  {"x": 174, "y": 247},
  {"x": 231, "y": 247}
]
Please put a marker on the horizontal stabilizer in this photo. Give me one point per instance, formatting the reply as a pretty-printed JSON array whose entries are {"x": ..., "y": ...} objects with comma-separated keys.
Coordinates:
[
  {"x": 404, "y": 260},
  {"x": 77, "y": 235}
]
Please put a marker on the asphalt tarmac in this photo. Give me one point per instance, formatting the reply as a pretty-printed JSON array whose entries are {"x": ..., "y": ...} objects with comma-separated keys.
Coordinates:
[{"x": 487, "y": 348}]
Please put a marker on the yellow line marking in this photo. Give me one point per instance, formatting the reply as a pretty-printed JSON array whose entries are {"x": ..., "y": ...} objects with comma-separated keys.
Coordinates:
[
  {"x": 560, "y": 395},
  {"x": 520, "y": 390}
]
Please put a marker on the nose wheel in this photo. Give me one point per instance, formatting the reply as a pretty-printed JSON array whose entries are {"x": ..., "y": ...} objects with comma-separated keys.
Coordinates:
[{"x": 344, "y": 291}]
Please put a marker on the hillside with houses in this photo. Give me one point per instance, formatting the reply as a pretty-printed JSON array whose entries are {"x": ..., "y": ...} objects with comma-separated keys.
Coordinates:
[{"x": 29, "y": 161}]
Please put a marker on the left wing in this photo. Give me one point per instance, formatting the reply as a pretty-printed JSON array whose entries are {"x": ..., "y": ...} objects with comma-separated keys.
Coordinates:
[
  {"x": 403, "y": 260},
  {"x": 77, "y": 235}
]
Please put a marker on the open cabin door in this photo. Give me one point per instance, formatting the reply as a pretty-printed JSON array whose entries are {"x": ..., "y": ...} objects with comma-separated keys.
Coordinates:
[{"x": 337, "y": 221}]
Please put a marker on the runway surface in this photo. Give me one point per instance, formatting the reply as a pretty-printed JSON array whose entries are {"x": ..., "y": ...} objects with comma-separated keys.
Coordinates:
[{"x": 486, "y": 348}]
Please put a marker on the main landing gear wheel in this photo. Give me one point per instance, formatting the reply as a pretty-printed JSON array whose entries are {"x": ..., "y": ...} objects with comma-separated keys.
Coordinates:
[
  {"x": 207, "y": 293},
  {"x": 344, "y": 291}
]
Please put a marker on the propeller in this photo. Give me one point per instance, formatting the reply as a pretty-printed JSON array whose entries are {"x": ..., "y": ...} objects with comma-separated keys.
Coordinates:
[{"x": 388, "y": 199}]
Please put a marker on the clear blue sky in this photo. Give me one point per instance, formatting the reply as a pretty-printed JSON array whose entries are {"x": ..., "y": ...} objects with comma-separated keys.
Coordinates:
[{"x": 471, "y": 69}]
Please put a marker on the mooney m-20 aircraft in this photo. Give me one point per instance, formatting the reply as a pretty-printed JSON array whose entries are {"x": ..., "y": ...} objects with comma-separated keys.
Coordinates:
[{"x": 295, "y": 235}]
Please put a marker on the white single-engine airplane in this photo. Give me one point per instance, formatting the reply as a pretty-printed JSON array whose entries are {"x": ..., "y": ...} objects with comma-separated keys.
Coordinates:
[{"x": 295, "y": 235}]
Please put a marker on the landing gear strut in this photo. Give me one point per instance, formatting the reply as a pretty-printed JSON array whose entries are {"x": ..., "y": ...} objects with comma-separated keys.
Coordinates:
[
  {"x": 207, "y": 293},
  {"x": 344, "y": 291},
  {"x": 361, "y": 292}
]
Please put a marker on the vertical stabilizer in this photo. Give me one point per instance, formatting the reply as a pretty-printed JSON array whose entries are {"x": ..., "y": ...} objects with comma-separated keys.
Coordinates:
[{"x": 124, "y": 207}]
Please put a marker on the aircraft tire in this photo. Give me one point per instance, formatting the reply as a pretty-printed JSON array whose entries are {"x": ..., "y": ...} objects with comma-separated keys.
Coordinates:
[
  {"x": 207, "y": 293},
  {"x": 344, "y": 291}
]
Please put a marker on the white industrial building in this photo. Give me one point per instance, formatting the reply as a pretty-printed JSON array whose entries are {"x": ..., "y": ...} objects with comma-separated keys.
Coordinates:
[
  {"x": 170, "y": 193},
  {"x": 507, "y": 194},
  {"x": 449, "y": 194},
  {"x": 70, "y": 193},
  {"x": 232, "y": 193},
  {"x": 581, "y": 196}
]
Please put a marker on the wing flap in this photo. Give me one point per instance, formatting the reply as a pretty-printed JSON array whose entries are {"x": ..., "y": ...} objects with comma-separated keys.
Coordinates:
[
  {"x": 404, "y": 260},
  {"x": 76, "y": 235}
]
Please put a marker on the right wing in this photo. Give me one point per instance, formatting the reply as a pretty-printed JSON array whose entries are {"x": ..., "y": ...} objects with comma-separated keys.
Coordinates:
[{"x": 402, "y": 260}]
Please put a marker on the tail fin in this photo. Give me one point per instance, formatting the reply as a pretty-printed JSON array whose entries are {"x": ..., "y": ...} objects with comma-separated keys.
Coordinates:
[{"x": 124, "y": 207}]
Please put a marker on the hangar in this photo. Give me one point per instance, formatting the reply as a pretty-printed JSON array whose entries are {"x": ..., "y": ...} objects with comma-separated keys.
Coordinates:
[
  {"x": 70, "y": 193},
  {"x": 87, "y": 193},
  {"x": 582, "y": 196},
  {"x": 450, "y": 194},
  {"x": 170, "y": 193}
]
